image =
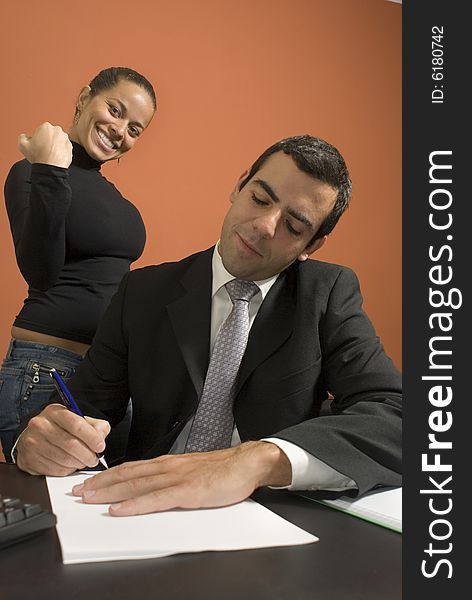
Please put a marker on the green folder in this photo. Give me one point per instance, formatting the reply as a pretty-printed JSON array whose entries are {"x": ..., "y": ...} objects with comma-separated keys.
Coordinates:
[{"x": 380, "y": 507}]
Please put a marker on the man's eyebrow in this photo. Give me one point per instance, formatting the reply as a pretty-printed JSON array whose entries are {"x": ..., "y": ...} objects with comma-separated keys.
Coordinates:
[
  {"x": 300, "y": 217},
  {"x": 294, "y": 213},
  {"x": 266, "y": 187},
  {"x": 124, "y": 109}
]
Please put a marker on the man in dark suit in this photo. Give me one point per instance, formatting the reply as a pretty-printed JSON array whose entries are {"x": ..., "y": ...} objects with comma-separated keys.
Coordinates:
[{"x": 309, "y": 337}]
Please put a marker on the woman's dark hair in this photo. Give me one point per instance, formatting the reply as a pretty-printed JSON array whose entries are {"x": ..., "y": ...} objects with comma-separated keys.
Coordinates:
[
  {"x": 107, "y": 78},
  {"x": 322, "y": 161}
]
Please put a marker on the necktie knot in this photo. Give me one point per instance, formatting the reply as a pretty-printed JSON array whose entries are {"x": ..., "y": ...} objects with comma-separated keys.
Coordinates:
[{"x": 241, "y": 290}]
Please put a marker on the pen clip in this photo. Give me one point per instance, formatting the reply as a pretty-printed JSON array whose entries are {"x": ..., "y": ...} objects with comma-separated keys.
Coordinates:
[{"x": 59, "y": 389}]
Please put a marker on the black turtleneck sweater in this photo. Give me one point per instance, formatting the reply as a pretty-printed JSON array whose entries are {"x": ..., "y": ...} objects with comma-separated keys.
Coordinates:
[{"x": 75, "y": 237}]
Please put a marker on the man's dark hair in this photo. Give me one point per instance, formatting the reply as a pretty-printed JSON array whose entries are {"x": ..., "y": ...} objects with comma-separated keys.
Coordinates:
[
  {"x": 320, "y": 160},
  {"x": 107, "y": 78}
]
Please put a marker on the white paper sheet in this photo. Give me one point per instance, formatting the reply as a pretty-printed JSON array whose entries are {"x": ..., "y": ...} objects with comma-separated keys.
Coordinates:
[{"x": 87, "y": 533}]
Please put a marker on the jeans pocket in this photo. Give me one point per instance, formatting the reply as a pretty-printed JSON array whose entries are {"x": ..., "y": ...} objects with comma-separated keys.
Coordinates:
[
  {"x": 38, "y": 387},
  {"x": 38, "y": 373}
]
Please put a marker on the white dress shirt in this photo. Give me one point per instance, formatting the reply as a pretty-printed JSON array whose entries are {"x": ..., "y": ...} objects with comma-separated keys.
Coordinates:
[{"x": 308, "y": 472}]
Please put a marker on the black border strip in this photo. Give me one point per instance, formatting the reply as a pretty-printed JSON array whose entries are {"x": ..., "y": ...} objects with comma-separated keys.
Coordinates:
[{"x": 436, "y": 120}]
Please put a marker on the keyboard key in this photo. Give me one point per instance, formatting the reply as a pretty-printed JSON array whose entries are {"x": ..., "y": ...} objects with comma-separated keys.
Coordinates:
[
  {"x": 14, "y": 515},
  {"x": 32, "y": 509}
]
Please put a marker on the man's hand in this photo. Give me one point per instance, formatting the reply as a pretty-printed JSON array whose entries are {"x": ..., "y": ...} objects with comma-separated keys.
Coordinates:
[
  {"x": 198, "y": 480},
  {"x": 58, "y": 442},
  {"x": 48, "y": 145}
]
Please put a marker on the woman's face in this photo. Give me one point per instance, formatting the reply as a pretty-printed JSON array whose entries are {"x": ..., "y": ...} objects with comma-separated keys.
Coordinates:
[{"x": 111, "y": 122}]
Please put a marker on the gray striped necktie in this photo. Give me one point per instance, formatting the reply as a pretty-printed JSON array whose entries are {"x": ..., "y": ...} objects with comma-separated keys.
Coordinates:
[{"x": 213, "y": 424}]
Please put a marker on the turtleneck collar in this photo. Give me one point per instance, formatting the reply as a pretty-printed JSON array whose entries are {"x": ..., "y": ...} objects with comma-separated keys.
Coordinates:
[{"x": 80, "y": 158}]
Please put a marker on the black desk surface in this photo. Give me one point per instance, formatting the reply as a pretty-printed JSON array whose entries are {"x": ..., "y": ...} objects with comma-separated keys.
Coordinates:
[{"x": 354, "y": 560}]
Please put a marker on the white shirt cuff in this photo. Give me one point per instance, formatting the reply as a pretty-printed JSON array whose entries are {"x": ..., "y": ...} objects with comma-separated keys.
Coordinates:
[
  {"x": 12, "y": 452},
  {"x": 310, "y": 473}
]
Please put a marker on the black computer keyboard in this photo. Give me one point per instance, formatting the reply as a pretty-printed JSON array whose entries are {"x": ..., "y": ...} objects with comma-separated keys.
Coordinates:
[{"x": 19, "y": 520}]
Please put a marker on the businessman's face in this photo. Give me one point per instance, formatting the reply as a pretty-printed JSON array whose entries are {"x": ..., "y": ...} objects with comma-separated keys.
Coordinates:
[{"x": 273, "y": 219}]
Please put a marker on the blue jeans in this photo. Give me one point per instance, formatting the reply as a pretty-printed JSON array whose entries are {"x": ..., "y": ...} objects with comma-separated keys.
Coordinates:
[{"x": 25, "y": 384}]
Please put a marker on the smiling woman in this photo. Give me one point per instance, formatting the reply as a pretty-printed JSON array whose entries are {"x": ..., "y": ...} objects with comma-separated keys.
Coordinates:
[
  {"x": 108, "y": 124},
  {"x": 75, "y": 237}
]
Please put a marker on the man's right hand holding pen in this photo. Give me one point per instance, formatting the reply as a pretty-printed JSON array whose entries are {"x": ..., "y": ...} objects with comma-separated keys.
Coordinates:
[{"x": 58, "y": 442}]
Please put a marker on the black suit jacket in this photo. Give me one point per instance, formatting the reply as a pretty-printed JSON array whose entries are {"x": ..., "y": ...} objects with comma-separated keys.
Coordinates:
[{"x": 310, "y": 337}]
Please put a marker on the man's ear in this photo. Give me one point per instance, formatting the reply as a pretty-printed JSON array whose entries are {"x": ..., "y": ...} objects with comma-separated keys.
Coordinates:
[
  {"x": 237, "y": 187},
  {"x": 84, "y": 97},
  {"x": 313, "y": 246}
]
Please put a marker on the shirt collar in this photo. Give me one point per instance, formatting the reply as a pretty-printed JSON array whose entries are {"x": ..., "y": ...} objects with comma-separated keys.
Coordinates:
[
  {"x": 221, "y": 276},
  {"x": 80, "y": 158}
]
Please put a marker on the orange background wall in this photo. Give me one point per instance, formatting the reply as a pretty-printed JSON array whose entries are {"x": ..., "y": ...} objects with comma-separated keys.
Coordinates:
[{"x": 231, "y": 78}]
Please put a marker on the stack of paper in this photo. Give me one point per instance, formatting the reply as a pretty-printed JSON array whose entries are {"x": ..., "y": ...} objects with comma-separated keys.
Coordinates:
[
  {"x": 383, "y": 508},
  {"x": 87, "y": 532}
]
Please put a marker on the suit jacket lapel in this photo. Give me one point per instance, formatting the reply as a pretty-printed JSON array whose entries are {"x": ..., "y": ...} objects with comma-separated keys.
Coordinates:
[
  {"x": 271, "y": 328},
  {"x": 190, "y": 317}
]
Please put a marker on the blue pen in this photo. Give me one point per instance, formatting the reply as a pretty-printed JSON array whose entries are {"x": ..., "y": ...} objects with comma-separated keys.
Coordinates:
[{"x": 70, "y": 403}]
